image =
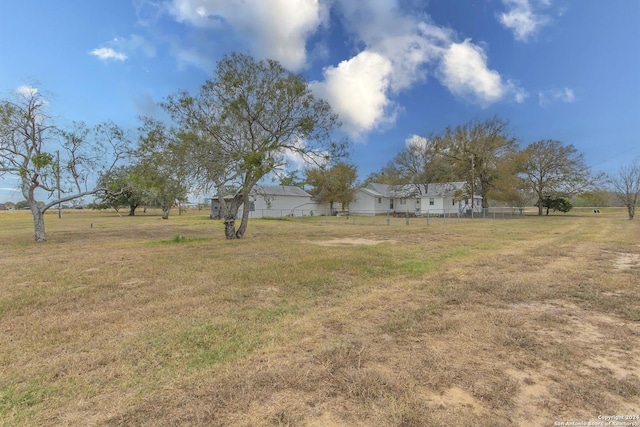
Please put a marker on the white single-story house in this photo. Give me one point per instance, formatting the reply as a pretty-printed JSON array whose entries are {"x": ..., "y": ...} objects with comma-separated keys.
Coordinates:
[
  {"x": 434, "y": 199},
  {"x": 274, "y": 201}
]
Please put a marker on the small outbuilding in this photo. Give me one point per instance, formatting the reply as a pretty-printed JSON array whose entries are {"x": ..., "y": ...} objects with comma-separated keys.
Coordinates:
[{"x": 275, "y": 201}]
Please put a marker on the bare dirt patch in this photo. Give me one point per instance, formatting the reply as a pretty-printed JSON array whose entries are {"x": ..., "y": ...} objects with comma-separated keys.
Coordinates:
[{"x": 626, "y": 261}]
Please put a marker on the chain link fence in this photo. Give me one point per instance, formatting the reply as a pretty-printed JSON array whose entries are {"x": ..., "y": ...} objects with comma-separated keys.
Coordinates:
[{"x": 396, "y": 218}]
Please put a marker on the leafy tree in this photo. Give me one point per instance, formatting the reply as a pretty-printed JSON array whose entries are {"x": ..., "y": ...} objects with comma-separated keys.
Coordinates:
[
  {"x": 553, "y": 170},
  {"x": 241, "y": 125},
  {"x": 509, "y": 187},
  {"x": 556, "y": 204},
  {"x": 333, "y": 184},
  {"x": 383, "y": 177},
  {"x": 123, "y": 190},
  {"x": 22, "y": 204},
  {"x": 291, "y": 178},
  {"x": 159, "y": 172},
  {"x": 28, "y": 138},
  {"x": 626, "y": 185},
  {"x": 596, "y": 197},
  {"x": 476, "y": 151}
]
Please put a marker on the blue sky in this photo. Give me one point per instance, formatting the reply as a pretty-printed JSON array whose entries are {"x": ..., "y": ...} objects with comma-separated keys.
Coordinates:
[{"x": 392, "y": 69}]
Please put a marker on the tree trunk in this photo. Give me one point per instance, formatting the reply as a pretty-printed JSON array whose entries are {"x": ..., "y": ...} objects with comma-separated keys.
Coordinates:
[
  {"x": 540, "y": 207},
  {"x": 230, "y": 228},
  {"x": 245, "y": 217},
  {"x": 38, "y": 224},
  {"x": 165, "y": 211},
  {"x": 229, "y": 211},
  {"x": 132, "y": 210},
  {"x": 631, "y": 209}
]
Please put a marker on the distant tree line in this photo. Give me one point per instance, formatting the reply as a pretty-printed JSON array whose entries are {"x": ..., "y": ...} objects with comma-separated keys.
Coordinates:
[
  {"x": 484, "y": 155},
  {"x": 247, "y": 123}
]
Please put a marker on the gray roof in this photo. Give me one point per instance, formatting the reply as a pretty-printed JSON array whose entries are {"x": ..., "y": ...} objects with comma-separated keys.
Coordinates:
[
  {"x": 273, "y": 190},
  {"x": 279, "y": 190},
  {"x": 408, "y": 190}
]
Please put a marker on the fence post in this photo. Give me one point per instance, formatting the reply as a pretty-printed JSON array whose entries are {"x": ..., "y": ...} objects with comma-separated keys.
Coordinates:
[
  {"x": 387, "y": 217},
  {"x": 428, "y": 215},
  {"x": 406, "y": 215}
]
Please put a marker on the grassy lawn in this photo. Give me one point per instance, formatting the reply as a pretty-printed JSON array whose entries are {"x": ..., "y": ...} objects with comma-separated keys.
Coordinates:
[{"x": 322, "y": 321}]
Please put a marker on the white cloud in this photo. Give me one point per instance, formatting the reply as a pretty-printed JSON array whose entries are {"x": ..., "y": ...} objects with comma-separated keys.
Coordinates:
[
  {"x": 565, "y": 95},
  {"x": 521, "y": 18},
  {"x": 296, "y": 161},
  {"x": 464, "y": 72},
  {"x": 416, "y": 141},
  {"x": 118, "y": 48},
  {"x": 409, "y": 46},
  {"x": 26, "y": 91},
  {"x": 356, "y": 90},
  {"x": 30, "y": 93},
  {"x": 396, "y": 50},
  {"x": 276, "y": 29},
  {"x": 393, "y": 48},
  {"x": 107, "y": 54}
]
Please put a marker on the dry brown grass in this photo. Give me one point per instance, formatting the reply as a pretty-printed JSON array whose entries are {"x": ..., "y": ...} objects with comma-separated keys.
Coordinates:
[{"x": 318, "y": 321}]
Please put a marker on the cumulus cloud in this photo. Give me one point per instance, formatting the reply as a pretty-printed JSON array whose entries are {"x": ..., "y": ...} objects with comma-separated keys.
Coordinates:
[
  {"x": 394, "y": 47},
  {"x": 565, "y": 95},
  {"x": 400, "y": 51},
  {"x": 356, "y": 90},
  {"x": 521, "y": 18},
  {"x": 276, "y": 29},
  {"x": 108, "y": 54},
  {"x": 464, "y": 71}
]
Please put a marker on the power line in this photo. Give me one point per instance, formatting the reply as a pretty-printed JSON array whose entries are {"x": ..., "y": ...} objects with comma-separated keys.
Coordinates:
[{"x": 616, "y": 155}]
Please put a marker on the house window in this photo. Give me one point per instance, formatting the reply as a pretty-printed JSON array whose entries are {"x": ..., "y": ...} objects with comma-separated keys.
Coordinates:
[
  {"x": 432, "y": 201},
  {"x": 252, "y": 206},
  {"x": 391, "y": 204},
  {"x": 379, "y": 199},
  {"x": 453, "y": 202},
  {"x": 403, "y": 201}
]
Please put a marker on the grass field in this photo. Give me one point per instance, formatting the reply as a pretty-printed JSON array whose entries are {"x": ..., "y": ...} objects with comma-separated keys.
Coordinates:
[{"x": 323, "y": 321}]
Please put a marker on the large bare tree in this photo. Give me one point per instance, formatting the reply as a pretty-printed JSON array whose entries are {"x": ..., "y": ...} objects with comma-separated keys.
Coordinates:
[
  {"x": 626, "y": 186},
  {"x": 242, "y": 124},
  {"x": 51, "y": 163}
]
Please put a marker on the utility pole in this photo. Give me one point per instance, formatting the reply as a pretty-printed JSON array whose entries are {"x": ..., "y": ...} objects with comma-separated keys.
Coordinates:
[
  {"x": 472, "y": 181},
  {"x": 58, "y": 185}
]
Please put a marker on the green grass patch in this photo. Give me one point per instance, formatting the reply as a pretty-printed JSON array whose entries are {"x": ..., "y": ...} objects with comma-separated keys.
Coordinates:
[
  {"x": 180, "y": 239},
  {"x": 416, "y": 267}
]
